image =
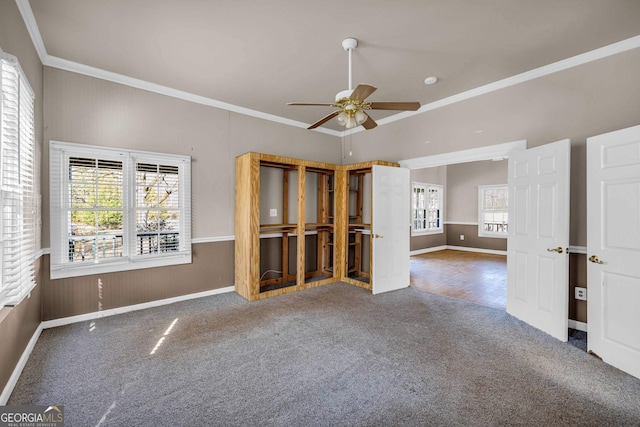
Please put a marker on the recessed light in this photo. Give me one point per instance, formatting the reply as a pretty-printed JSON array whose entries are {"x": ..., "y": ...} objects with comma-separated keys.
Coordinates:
[
  {"x": 431, "y": 80},
  {"x": 479, "y": 131}
]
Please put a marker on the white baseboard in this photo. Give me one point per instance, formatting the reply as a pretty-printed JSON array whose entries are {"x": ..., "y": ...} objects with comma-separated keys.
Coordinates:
[
  {"x": 13, "y": 380},
  {"x": 484, "y": 251},
  {"x": 456, "y": 248},
  {"x": 427, "y": 250},
  {"x": 578, "y": 326},
  {"x": 577, "y": 249},
  {"x": 100, "y": 314}
]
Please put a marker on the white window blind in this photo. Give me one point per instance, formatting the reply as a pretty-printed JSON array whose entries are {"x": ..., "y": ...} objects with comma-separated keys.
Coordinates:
[
  {"x": 18, "y": 217},
  {"x": 493, "y": 210},
  {"x": 427, "y": 207},
  {"x": 116, "y": 210}
]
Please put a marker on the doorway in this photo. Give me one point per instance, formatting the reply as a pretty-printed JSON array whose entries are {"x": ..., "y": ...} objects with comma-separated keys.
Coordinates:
[
  {"x": 476, "y": 277},
  {"x": 475, "y": 270}
]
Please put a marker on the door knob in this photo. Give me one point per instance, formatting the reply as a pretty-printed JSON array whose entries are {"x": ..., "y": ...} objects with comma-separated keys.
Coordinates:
[
  {"x": 594, "y": 259},
  {"x": 377, "y": 236},
  {"x": 558, "y": 249}
]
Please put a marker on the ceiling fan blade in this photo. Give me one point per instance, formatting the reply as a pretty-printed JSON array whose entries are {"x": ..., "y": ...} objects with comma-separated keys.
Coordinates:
[
  {"x": 308, "y": 104},
  {"x": 324, "y": 120},
  {"x": 369, "y": 123},
  {"x": 407, "y": 106},
  {"x": 361, "y": 92}
]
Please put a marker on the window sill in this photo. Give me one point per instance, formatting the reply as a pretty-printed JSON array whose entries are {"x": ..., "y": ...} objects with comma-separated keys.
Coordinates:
[
  {"x": 493, "y": 236},
  {"x": 68, "y": 270},
  {"x": 426, "y": 233}
]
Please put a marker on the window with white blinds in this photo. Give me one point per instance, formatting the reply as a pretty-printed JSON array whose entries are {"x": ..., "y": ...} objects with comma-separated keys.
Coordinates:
[
  {"x": 427, "y": 209},
  {"x": 115, "y": 210},
  {"x": 18, "y": 217},
  {"x": 493, "y": 210}
]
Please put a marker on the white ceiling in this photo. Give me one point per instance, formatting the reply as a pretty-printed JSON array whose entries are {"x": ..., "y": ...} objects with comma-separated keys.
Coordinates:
[{"x": 259, "y": 55}]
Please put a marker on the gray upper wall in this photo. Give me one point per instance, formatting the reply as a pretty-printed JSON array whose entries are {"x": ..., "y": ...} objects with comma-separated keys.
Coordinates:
[
  {"x": 462, "y": 187},
  {"x": 588, "y": 100},
  {"x": 576, "y": 103},
  {"x": 91, "y": 111}
]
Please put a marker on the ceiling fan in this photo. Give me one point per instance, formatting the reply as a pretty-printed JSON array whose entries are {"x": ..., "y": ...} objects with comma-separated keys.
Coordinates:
[{"x": 351, "y": 103}]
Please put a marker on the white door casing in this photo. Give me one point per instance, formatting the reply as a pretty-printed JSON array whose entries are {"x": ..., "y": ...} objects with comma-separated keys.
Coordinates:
[
  {"x": 613, "y": 248},
  {"x": 538, "y": 237},
  {"x": 390, "y": 228}
]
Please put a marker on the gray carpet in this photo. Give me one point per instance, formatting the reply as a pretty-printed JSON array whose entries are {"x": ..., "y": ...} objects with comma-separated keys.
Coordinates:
[{"x": 330, "y": 356}]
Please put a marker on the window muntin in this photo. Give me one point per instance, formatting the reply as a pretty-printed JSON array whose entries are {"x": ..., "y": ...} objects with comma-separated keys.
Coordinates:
[
  {"x": 427, "y": 209},
  {"x": 493, "y": 211},
  {"x": 117, "y": 209},
  {"x": 18, "y": 216}
]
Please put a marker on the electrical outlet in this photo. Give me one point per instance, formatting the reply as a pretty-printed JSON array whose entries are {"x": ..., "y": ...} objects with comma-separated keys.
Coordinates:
[
  {"x": 462, "y": 237},
  {"x": 581, "y": 293},
  {"x": 273, "y": 212}
]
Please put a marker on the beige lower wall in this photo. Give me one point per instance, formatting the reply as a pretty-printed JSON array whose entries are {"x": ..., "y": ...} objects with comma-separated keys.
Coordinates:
[
  {"x": 451, "y": 237},
  {"x": 471, "y": 238},
  {"x": 17, "y": 326},
  {"x": 428, "y": 241},
  {"x": 212, "y": 268}
]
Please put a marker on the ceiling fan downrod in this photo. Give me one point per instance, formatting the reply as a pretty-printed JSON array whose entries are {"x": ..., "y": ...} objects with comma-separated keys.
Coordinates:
[{"x": 349, "y": 44}]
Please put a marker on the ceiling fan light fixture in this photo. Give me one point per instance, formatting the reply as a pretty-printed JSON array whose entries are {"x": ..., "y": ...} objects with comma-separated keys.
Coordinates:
[
  {"x": 351, "y": 122},
  {"x": 351, "y": 104},
  {"x": 360, "y": 117}
]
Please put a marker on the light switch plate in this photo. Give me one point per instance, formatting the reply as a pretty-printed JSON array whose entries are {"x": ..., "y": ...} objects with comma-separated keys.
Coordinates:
[{"x": 273, "y": 212}]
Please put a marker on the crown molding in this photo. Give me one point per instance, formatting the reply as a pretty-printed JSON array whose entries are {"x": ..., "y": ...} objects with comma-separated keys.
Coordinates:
[
  {"x": 55, "y": 62},
  {"x": 66, "y": 65},
  {"x": 565, "y": 64}
]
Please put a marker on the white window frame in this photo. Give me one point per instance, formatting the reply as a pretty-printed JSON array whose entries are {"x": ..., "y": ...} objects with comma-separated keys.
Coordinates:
[
  {"x": 18, "y": 214},
  {"x": 429, "y": 229},
  {"x": 481, "y": 210},
  {"x": 61, "y": 267}
]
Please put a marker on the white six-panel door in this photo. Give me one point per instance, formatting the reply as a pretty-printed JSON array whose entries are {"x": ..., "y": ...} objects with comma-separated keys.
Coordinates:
[
  {"x": 390, "y": 234},
  {"x": 613, "y": 248},
  {"x": 538, "y": 237}
]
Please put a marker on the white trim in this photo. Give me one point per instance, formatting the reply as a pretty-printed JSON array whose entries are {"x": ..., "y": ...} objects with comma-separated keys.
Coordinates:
[
  {"x": 32, "y": 27},
  {"x": 460, "y": 223},
  {"x": 74, "y": 67},
  {"x": 457, "y": 248},
  {"x": 579, "y": 326},
  {"x": 555, "y": 67},
  {"x": 157, "y": 303},
  {"x": 427, "y": 250},
  {"x": 63, "y": 271},
  {"x": 577, "y": 249},
  {"x": 479, "y": 250},
  {"x": 213, "y": 239},
  {"x": 17, "y": 371},
  {"x": 463, "y": 156},
  {"x": 52, "y": 61}
]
